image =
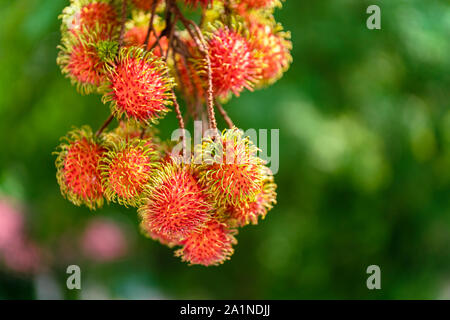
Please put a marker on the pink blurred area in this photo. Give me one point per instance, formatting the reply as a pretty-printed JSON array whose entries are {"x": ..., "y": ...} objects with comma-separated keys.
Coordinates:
[
  {"x": 103, "y": 241},
  {"x": 17, "y": 252}
]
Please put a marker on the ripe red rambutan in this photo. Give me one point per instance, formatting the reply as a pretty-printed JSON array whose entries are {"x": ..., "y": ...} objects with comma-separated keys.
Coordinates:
[
  {"x": 274, "y": 46},
  {"x": 258, "y": 4},
  {"x": 145, "y": 5},
  {"x": 78, "y": 168},
  {"x": 175, "y": 204},
  {"x": 139, "y": 86},
  {"x": 212, "y": 245},
  {"x": 127, "y": 167},
  {"x": 81, "y": 58},
  {"x": 249, "y": 212},
  {"x": 86, "y": 15},
  {"x": 229, "y": 168},
  {"x": 234, "y": 64}
]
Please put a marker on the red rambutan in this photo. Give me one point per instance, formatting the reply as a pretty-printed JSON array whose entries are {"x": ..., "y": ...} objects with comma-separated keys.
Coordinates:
[
  {"x": 86, "y": 15},
  {"x": 274, "y": 47},
  {"x": 145, "y": 5},
  {"x": 212, "y": 245},
  {"x": 258, "y": 4},
  {"x": 78, "y": 168},
  {"x": 249, "y": 212},
  {"x": 175, "y": 204},
  {"x": 229, "y": 169},
  {"x": 139, "y": 86},
  {"x": 235, "y": 66},
  {"x": 127, "y": 167}
]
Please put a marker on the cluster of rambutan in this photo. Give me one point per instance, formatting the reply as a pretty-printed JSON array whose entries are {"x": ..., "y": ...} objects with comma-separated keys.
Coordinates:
[{"x": 134, "y": 54}]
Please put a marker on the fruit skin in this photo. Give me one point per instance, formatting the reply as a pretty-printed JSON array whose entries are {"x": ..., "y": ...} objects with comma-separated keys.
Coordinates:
[
  {"x": 211, "y": 246},
  {"x": 138, "y": 86},
  {"x": 175, "y": 205},
  {"x": 235, "y": 65},
  {"x": 78, "y": 164},
  {"x": 82, "y": 57},
  {"x": 87, "y": 15},
  {"x": 274, "y": 47},
  {"x": 145, "y": 5},
  {"x": 126, "y": 168},
  {"x": 229, "y": 168},
  {"x": 250, "y": 212},
  {"x": 257, "y": 4}
]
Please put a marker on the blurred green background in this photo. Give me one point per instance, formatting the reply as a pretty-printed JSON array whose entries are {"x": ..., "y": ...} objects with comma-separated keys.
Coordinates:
[{"x": 364, "y": 177}]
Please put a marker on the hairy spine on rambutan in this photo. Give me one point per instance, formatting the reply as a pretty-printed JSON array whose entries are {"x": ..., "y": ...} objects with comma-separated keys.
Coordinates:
[
  {"x": 210, "y": 246},
  {"x": 249, "y": 212},
  {"x": 146, "y": 5},
  {"x": 126, "y": 169},
  {"x": 78, "y": 164},
  {"x": 82, "y": 57},
  {"x": 175, "y": 205},
  {"x": 257, "y": 4},
  {"x": 88, "y": 15},
  {"x": 234, "y": 64},
  {"x": 139, "y": 86},
  {"x": 274, "y": 46},
  {"x": 229, "y": 168}
]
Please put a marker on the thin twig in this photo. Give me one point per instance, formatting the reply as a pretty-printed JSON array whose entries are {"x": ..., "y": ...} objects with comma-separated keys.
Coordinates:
[
  {"x": 150, "y": 24},
  {"x": 180, "y": 121},
  {"x": 201, "y": 43},
  {"x": 224, "y": 114},
  {"x": 105, "y": 124},
  {"x": 124, "y": 18}
]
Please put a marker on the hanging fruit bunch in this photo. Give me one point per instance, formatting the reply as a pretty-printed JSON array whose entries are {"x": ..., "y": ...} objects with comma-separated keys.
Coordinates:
[{"x": 139, "y": 55}]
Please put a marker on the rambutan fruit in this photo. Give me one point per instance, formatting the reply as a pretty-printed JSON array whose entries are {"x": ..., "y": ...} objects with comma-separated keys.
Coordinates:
[
  {"x": 258, "y": 4},
  {"x": 145, "y": 5},
  {"x": 234, "y": 64},
  {"x": 274, "y": 47},
  {"x": 175, "y": 205},
  {"x": 78, "y": 164},
  {"x": 127, "y": 167},
  {"x": 138, "y": 86},
  {"x": 210, "y": 246},
  {"x": 86, "y": 15},
  {"x": 249, "y": 212},
  {"x": 229, "y": 168},
  {"x": 82, "y": 58}
]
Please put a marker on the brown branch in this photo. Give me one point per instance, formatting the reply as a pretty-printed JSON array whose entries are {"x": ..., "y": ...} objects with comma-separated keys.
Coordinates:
[
  {"x": 150, "y": 24},
  {"x": 201, "y": 43},
  {"x": 180, "y": 121},
  {"x": 124, "y": 18},
  {"x": 105, "y": 124},
  {"x": 224, "y": 114}
]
